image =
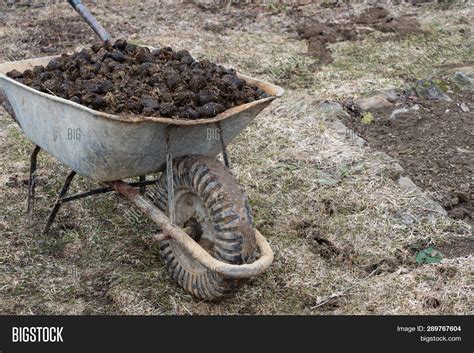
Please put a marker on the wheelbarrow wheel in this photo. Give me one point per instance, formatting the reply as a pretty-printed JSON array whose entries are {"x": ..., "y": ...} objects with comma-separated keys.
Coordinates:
[{"x": 212, "y": 208}]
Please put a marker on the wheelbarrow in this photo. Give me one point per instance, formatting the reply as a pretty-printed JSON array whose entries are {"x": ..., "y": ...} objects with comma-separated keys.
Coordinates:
[{"x": 206, "y": 235}]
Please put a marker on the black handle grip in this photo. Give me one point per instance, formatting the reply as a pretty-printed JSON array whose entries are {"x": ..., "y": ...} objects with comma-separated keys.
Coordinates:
[{"x": 74, "y": 3}]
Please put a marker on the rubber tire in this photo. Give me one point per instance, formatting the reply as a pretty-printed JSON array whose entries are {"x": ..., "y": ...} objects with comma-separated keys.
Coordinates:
[{"x": 229, "y": 215}]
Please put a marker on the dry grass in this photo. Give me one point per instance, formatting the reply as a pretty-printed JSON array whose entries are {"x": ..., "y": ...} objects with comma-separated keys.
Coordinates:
[{"x": 344, "y": 234}]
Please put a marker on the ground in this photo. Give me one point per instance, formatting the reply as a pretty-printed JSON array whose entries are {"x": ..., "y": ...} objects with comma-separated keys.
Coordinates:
[{"x": 344, "y": 231}]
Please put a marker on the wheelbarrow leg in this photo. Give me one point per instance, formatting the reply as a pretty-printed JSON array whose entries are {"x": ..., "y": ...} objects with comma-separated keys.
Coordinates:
[
  {"x": 223, "y": 146},
  {"x": 31, "y": 184},
  {"x": 59, "y": 201},
  {"x": 169, "y": 177},
  {"x": 142, "y": 187}
]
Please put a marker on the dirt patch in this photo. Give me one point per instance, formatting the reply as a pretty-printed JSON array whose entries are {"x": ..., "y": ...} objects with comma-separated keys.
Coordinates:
[
  {"x": 381, "y": 20},
  {"x": 50, "y": 35},
  {"x": 319, "y": 35},
  {"x": 433, "y": 140},
  {"x": 126, "y": 78},
  {"x": 33, "y": 33},
  {"x": 458, "y": 247}
]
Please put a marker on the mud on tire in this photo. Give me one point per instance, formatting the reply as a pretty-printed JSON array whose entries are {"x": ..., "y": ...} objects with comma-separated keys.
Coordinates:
[{"x": 213, "y": 210}]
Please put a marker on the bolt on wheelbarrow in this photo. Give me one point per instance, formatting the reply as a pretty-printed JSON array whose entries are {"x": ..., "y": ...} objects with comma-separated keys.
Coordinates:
[{"x": 206, "y": 236}]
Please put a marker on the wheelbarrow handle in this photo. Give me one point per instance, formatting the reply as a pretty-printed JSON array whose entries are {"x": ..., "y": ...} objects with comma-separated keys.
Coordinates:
[
  {"x": 189, "y": 246},
  {"x": 90, "y": 19}
]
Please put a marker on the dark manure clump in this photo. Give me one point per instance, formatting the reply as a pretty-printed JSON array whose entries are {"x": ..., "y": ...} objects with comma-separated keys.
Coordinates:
[{"x": 124, "y": 78}]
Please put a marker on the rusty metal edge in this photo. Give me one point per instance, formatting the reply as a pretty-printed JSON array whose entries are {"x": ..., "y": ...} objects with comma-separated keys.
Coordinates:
[{"x": 193, "y": 249}]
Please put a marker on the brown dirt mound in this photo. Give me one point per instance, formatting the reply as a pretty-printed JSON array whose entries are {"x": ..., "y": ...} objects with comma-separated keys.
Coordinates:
[
  {"x": 434, "y": 143},
  {"x": 125, "y": 78},
  {"x": 327, "y": 32},
  {"x": 320, "y": 34},
  {"x": 380, "y": 19}
]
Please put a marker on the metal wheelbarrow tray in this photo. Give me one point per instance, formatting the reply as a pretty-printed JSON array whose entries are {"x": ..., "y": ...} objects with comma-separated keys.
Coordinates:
[
  {"x": 113, "y": 147},
  {"x": 108, "y": 148}
]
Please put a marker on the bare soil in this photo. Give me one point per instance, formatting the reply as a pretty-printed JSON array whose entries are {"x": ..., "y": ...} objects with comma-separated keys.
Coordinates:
[
  {"x": 53, "y": 35},
  {"x": 130, "y": 79},
  {"x": 320, "y": 34},
  {"x": 380, "y": 19},
  {"x": 434, "y": 143}
]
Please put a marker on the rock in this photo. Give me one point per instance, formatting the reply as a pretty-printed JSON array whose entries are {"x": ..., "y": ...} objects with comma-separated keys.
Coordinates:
[
  {"x": 464, "y": 81},
  {"x": 393, "y": 95},
  {"x": 431, "y": 90},
  {"x": 462, "y": 150},
  {"x": 406, "y": 184},
  {"x": 373, "y": 102},
  {"x": 331, "y": 109},
  {"x": 343, "y": 130},
  {"x": 464, "y": 107},
  {"x": 403, "y": 110}
]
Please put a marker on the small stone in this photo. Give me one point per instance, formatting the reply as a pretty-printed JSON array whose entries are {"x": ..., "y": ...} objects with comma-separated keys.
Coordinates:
[
  {"x": 430, "y": 90},
  {"x": 403, "y": 110},
  {"x": 393, "y": 95},
  {"x": 374, "y": 102},
  {"x": 462, "y": 150},
  {"x": 407, "y": 184},
  {"x": 464, "y": 81},
  {"x": 464, "y": 107}
]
